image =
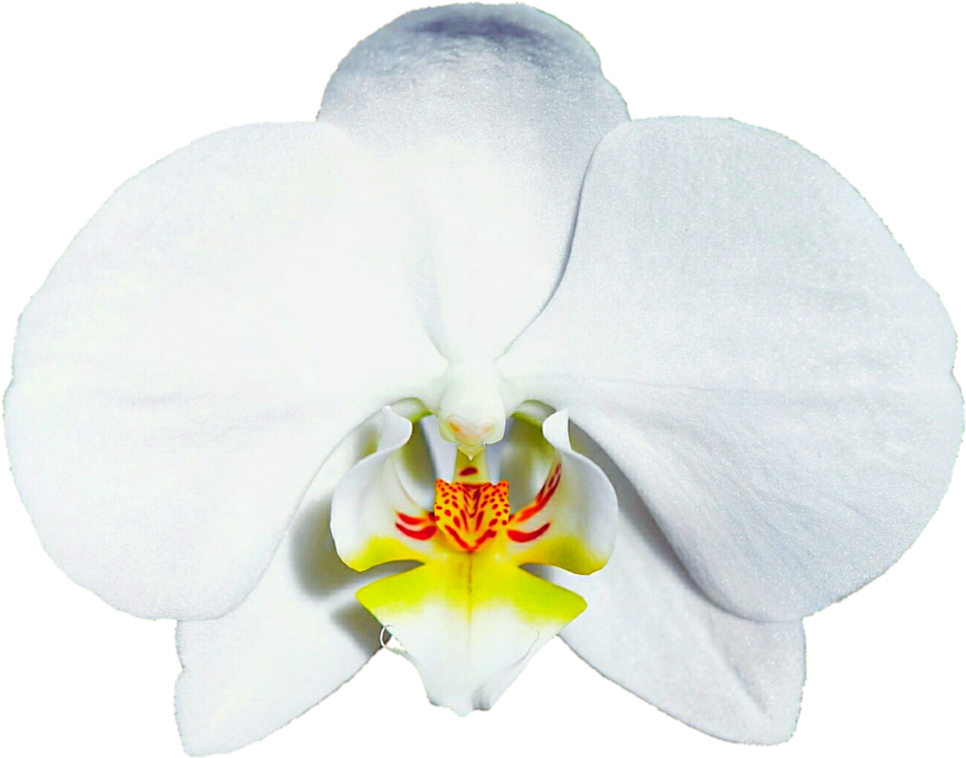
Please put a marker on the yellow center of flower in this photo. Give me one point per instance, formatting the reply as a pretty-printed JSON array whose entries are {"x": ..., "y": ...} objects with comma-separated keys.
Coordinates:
[{"x": 470, "y": 616}]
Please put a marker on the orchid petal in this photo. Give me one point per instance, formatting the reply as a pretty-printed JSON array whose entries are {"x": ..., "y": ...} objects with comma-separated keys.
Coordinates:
[
  {"x": 580, "y": 509},
  {"x": 649, "y": 628},
  {"x": 488, "y": 116},
  {"x": 782, "y": 397},
  {"x": 370, "y": 502},
  {"x": 297, "y": 637},
  {"x": 195, "y": 356}
]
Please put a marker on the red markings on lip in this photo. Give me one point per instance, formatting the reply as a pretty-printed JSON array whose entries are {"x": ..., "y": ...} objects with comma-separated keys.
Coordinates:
[
  {"x": 543, "y": 497},
  {"x": 471, "y": 514},
  {"x": 460, "y": 512},
  {"x": 516, "y": 536},
  {"x": 427, "y": 530},
  {"x": 456, "y": 536},
  {"x": 422, "y": 534}
]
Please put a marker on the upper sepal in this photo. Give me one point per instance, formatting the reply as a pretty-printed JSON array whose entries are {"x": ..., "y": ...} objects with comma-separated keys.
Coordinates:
[{"x": 484, "y": 117}]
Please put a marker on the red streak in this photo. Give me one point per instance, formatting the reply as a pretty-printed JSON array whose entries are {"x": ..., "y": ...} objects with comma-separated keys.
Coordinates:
[
  {"x": 469, "y": 471},
  {"x": 516, "y": 536},
  {"x": 483, "y": 538},
  {"x": 543, "y": 497},
  {"x": 411, "y": 520},
  {"x": 423, "y": 534},
  {"x": 455, "y": 535}
]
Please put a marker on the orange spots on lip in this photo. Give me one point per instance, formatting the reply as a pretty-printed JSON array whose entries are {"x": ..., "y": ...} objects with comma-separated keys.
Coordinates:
[
  {"x": 460, "y": 513},
  {"x": 461, "y": 507}
]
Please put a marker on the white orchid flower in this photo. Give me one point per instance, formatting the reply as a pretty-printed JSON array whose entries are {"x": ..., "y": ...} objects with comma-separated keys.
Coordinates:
[{"x": 730, "y": 323}]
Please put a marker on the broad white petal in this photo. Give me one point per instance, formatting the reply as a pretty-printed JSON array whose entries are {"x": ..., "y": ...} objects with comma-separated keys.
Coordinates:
[
  {"x": 743, "y": 336},
  {"x": 487, "y": 115},
  {"x": 650, "y": 629},
  {"x": 225, "y": 319},
  {"x": 298, "y": 636}
]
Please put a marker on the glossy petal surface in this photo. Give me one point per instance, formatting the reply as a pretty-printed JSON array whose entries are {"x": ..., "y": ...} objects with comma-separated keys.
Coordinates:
[
  {"x": 195, "y": 356},
  {"x": 780, "y": 393},
  {"x": 488, "y": 115}
]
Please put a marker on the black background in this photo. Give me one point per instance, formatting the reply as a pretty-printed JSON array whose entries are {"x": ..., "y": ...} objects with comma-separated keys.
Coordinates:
[{"x": 95, "y": 99}]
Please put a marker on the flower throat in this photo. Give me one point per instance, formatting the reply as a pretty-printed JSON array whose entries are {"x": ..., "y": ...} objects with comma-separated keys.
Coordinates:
[{"x": 473, "y": 514}]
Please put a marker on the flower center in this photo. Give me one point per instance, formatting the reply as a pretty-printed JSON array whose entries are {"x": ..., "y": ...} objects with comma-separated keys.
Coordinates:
[
  {"x": 470, "y": 616},
  {"x": 470, "y": 513}
]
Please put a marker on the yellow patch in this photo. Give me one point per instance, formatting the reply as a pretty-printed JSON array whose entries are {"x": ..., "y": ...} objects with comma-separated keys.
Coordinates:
[
  {"x": 568, "y": 553},
  {"x": 380, "y": 550},
  {"x": 471, "y": 583}
]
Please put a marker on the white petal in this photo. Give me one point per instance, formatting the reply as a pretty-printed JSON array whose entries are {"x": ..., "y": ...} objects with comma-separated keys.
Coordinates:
[
  {"x": 650, "y": 629},
  {"x": 581, "y": 512},
  {"x": 742, "y": 335},
  {"x": 367, "y": 502},
  {"x": 487, "y": 116},
  {"x": 223, "y": 321},
  {"x": 297, "y": 637}
]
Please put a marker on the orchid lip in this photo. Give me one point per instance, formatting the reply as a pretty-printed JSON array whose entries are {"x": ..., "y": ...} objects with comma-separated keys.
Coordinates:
[{"x": 470, "y": 617}]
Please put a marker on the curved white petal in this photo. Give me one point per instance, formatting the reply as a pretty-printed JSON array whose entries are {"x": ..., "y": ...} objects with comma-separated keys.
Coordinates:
[
  {"x": 581, "y": 510},
  {"x": 367, "y": 504},
  {"x": 742, "y": 335},
  {"x": 297, "y": 637},
  {"x": 226, "y": 318},
  {"x": 650, "y": 629},
  {"x": 487, "y": 115}
]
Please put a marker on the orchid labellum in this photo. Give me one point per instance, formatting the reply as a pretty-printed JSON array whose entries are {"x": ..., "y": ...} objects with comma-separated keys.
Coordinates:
[{"x": 472, "y": 361}]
